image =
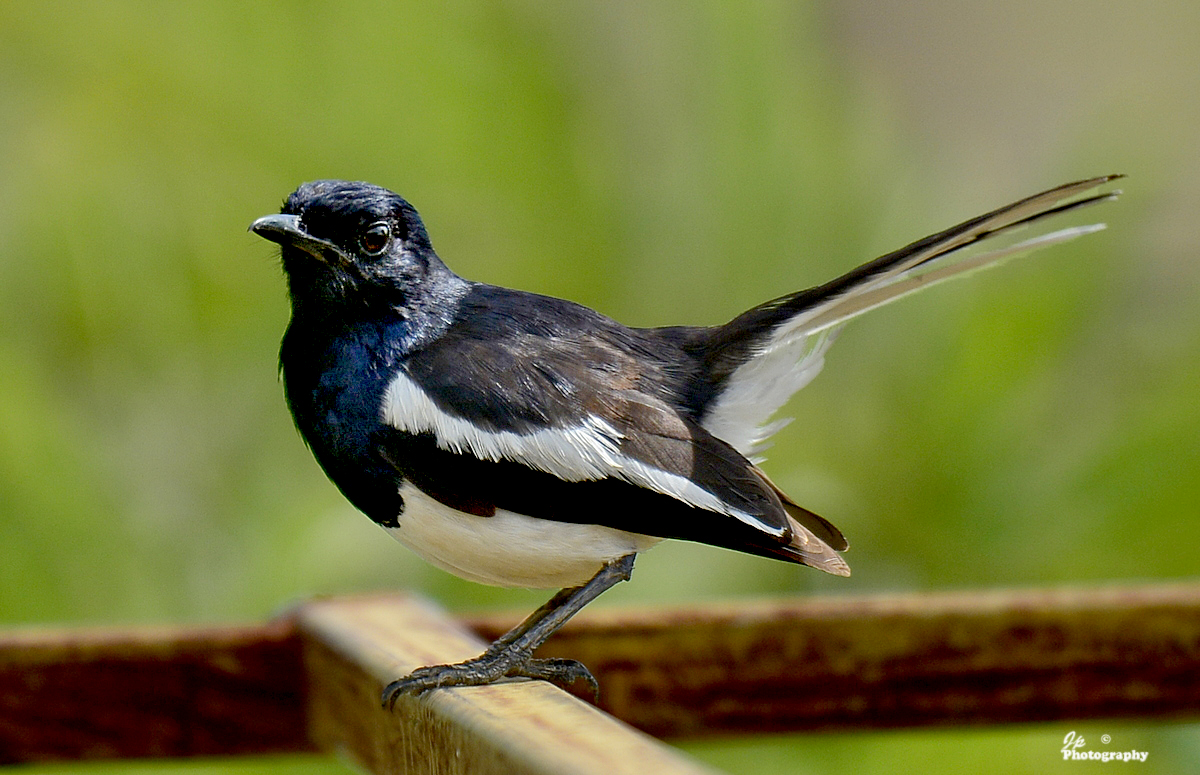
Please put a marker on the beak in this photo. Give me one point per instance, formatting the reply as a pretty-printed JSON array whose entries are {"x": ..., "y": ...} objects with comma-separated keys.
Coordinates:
[{"x": 287, "y": 231}]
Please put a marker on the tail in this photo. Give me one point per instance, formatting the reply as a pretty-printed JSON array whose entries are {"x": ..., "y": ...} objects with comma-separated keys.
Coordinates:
[{"x": 763, "y": 356}]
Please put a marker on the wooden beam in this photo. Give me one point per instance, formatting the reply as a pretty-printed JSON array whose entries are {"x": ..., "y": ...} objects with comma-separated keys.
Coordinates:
[
  {"x": 354, "y": 647},
  {"x": 891, "y": 661},
  {"x": 861, "y": 663},
  {"x": 161, "y": 692}
]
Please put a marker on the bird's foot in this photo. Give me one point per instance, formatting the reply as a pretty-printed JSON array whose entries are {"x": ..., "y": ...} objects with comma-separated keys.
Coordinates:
[{"x": 487, "y": 669}]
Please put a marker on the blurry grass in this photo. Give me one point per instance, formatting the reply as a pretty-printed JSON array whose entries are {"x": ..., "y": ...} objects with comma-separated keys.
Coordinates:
[
  {"x": 666, "y": 164},
  {"x": 1033, "y": 749}
]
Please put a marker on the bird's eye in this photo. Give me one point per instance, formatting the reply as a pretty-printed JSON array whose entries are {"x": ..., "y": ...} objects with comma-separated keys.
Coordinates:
[{"x": 376, "y": 238}]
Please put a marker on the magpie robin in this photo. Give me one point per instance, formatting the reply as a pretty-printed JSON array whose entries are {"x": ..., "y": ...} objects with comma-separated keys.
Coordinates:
[{"x": 526, "y": 441}]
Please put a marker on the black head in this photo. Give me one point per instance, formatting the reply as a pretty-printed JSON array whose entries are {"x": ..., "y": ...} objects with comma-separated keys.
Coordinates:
[{"x": 353, "y": 245}]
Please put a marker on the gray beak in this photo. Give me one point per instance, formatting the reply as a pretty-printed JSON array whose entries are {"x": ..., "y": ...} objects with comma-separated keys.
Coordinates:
[{"x": 287, "y": 231}]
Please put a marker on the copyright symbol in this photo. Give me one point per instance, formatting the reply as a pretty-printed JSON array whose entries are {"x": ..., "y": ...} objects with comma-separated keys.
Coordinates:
[{"x": 1105, "y": 739}]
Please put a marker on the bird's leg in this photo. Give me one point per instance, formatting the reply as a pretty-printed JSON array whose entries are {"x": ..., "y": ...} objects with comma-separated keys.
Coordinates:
[{"x": 512, "y": 653}]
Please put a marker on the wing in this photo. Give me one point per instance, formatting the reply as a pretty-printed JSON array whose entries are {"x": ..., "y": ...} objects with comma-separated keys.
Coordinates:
[
  {"x": 759, "y": 359},
  {"x": 562, "y": 414}
]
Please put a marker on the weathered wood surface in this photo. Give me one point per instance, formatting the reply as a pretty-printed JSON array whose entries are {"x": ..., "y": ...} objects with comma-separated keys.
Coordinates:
[
  {"x": 855, "y": 662},
  {"x": 892, "y": 661},
  {"x": 150, "y": 692},
  {"x": 354, "y": 647}
]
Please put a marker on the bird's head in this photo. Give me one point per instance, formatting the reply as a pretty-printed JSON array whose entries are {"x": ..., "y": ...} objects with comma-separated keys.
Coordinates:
[{"x": 353, "y": 245}]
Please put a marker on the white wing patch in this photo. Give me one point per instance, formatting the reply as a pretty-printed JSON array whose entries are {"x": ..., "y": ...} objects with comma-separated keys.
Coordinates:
[
  {"x": 587, "y": 451},
  {"x": 590, "y": 450}
]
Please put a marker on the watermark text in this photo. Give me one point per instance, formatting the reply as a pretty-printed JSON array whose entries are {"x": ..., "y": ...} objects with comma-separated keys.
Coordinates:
[{"x": 1074, "y": 750}]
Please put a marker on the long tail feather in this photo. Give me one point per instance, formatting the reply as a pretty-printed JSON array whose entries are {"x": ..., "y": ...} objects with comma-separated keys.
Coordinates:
[
  {"x": 761, "y": 357},
  {"x": 936, "y": 251}
]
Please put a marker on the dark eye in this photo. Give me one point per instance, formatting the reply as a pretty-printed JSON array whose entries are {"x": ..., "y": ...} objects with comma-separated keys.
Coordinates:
[{"x": 376, "y": 238}]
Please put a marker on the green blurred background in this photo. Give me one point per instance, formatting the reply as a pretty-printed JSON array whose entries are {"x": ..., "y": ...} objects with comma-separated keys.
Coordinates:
[{"x": 666, "y": 163}]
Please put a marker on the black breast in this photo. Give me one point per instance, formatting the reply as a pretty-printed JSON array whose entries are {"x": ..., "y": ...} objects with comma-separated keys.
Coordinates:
[{"x": 335, "y": 386}]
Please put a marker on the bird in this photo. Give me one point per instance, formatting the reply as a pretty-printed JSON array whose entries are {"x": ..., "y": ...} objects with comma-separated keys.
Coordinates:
[{"x": 521, "y": 440}]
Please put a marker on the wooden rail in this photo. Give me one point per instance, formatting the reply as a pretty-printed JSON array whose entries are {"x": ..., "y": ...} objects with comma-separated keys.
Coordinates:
[
  {"x": 354, "y": 647},
  {"x": 151, "y": 692},
  {"x": 893, "y": 661},
  {"x": 310, "y": 680}
]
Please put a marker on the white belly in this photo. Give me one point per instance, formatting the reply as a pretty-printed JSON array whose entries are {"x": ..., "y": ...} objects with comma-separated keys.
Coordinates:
[{"x": 508, "y": 549}]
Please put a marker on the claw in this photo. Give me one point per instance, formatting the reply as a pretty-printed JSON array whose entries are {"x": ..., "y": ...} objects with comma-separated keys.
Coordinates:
[
  {"x": 473, "y": 672},
  {"x": 560, "y": 672},
  {"x": 489, "y": 669}
]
